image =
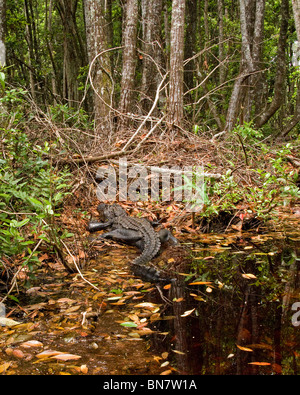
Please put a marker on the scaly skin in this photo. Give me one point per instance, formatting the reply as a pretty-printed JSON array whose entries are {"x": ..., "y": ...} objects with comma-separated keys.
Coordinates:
[{"x": 118, "y": 218}]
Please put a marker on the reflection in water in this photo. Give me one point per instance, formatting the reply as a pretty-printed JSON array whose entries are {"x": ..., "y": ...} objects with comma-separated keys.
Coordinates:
[{"x": 242, "y": 322}]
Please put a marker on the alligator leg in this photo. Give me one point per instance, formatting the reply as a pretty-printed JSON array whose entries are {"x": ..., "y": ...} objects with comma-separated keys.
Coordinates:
[
  {"x": 94, "y": 226},
  {"x": 127, "y": 236}
]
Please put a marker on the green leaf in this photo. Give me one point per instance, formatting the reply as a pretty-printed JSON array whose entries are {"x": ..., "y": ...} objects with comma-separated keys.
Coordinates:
[
  {"x": 35, "y": 202},
  {"x": 129, "y": 324},
  {"x": 16, "y": 224}
]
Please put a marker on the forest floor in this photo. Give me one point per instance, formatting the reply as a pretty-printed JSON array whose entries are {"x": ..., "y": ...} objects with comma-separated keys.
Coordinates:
[{"x": 99, "y": 320}]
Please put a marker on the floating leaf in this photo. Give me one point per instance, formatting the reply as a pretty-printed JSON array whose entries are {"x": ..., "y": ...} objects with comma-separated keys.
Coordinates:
[
  {"x": 147, "y": 305},
  {"x": 244, "y": 348},
  {"x": 248, "y": 276},
  {"x": 200, "y": 283},
  {"x": 47, "y": 354},
  {"x": 66, "y": 357},
  {"x": 84, "y": 369},
  {"x": 179, "y": 352},
  {"x": 8, "y": 322},
  {"x": 129, "y": 324},
  {"x": 188, "y": 312},
  {"x": 31, "y": 343},
  {"x": 5, "y": 366}
]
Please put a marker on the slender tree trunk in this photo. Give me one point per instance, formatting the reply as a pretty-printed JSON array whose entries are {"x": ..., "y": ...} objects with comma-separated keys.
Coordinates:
[
  {"x": 152, "y": 48},
  {"x": 222, "y": 69},
  {"x": 296, "y": 118},
  {"x": 175, "y": 110},
  {"x": 2, "y": 32},
  {"x": 96, "y": 36},
  {"x": 129, "y": 58},
  {"x": 29, "y": 35},
  {"x": 190, "y": 42},
  {"x": 251, "y": 21},
  {"x": 74, "y": 53},
  {"x": 296, "y": 12},
  {"x": 279, "y": 86}
]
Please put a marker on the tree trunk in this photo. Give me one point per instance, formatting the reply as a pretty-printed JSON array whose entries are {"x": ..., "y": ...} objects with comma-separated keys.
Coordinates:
[
  {"x": 190, "y": 43},
  {"x": 296, "y": 118},
  {"x": 279, "y": 86},
  {"x": 152, "y": 48},
  {"x": 251, "y": 21},
  {"x": 296, "y": 12},
  {"x": 96, "y": 36},
  {"x": 74, "y": 53},
  {"x": 175, "y": 110},
  {"x": 129, "y": 58},
  {"x": 2, "y": 33}
]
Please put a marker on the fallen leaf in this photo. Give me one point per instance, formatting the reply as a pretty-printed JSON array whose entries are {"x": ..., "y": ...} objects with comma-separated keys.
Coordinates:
[
  {"x": 8, "y": 322},
  {"x": 129, "y": 324},
  {"x": 84, "y": 369},
  {"x": 66, "y": 357},
  {"x": 18, "y": 353},
  {"x": 200, "y": 283},
  {"x": 259, "y": 363},
  {"x": 248, "y": 276},
  {"x": 5, "y": 366},
  {"x": 47, "y": 354},
  {"x": 31, "y": 343},
  {"x": 186, "y": 313},
  {"x": 147, "y": 305},
  {"x": 244, "y": 348},
  {"x": 166, "y": 372}
]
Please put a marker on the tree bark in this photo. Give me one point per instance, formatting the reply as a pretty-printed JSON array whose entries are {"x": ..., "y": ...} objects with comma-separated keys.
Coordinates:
[
  {"x": 175, "y": 109},
  {"x": 296, "y": 118},
  {"x": 190, "y": 43},
  {"x": 251, "y": 21},
  {"x": 296, "y": 12},
  {"x": 129, "y": 58},
  {"x": 2, "y": 33},
  {"x": 152, "y": 48},
  {"x": 74, "y": 52},
  {"x": 96, "y": 36},
  {"x": 279, "y": 86}
]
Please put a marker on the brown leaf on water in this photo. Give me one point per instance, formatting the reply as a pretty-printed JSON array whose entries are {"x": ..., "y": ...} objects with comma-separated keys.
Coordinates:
[
  {"x": 4, "y": 367},
  {"x": 47, "y": 354},
  {"x": 66, "y": 357},
  {"x": 244, "y": 348},
  {"x": 31, "y": 344},
  {"x": 248, "y": 276}
]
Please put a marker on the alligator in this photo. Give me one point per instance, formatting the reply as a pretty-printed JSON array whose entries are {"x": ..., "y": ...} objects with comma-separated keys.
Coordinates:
[{"x": 138, "y": 232}]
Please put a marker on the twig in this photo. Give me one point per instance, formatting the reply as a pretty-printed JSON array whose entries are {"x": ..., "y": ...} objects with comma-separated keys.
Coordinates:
[
  {"x": 77, "y": 268},
  {"x": 18, "y": 271},
  {"x": 149, "y": 113}
]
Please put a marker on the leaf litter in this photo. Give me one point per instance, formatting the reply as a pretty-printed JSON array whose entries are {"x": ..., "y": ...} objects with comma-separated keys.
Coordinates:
[{"x": 64, "y": 321}]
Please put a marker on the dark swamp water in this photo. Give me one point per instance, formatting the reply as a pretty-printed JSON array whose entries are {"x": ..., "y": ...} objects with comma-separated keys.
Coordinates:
[{"x": 232, "y": 311}]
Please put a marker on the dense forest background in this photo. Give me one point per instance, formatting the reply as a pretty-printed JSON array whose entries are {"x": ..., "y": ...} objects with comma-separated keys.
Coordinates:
[{"x": 201, "y": 65}]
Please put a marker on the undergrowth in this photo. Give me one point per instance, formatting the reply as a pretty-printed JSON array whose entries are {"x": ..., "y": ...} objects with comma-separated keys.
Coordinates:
[{"x": 33, "y": 189}]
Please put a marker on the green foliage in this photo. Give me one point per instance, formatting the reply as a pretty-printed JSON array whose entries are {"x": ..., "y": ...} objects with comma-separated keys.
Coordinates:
[
  {"x": 272, "y": 184},
  {"x": 30, "y": 193}
]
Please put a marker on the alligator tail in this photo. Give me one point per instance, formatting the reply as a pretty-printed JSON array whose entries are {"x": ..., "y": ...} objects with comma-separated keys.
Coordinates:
[{"x": 148, "y": 273}]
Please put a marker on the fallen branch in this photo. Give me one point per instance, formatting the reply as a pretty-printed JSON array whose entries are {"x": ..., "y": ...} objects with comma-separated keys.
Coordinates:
[{"x": 90, "y": 159}]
